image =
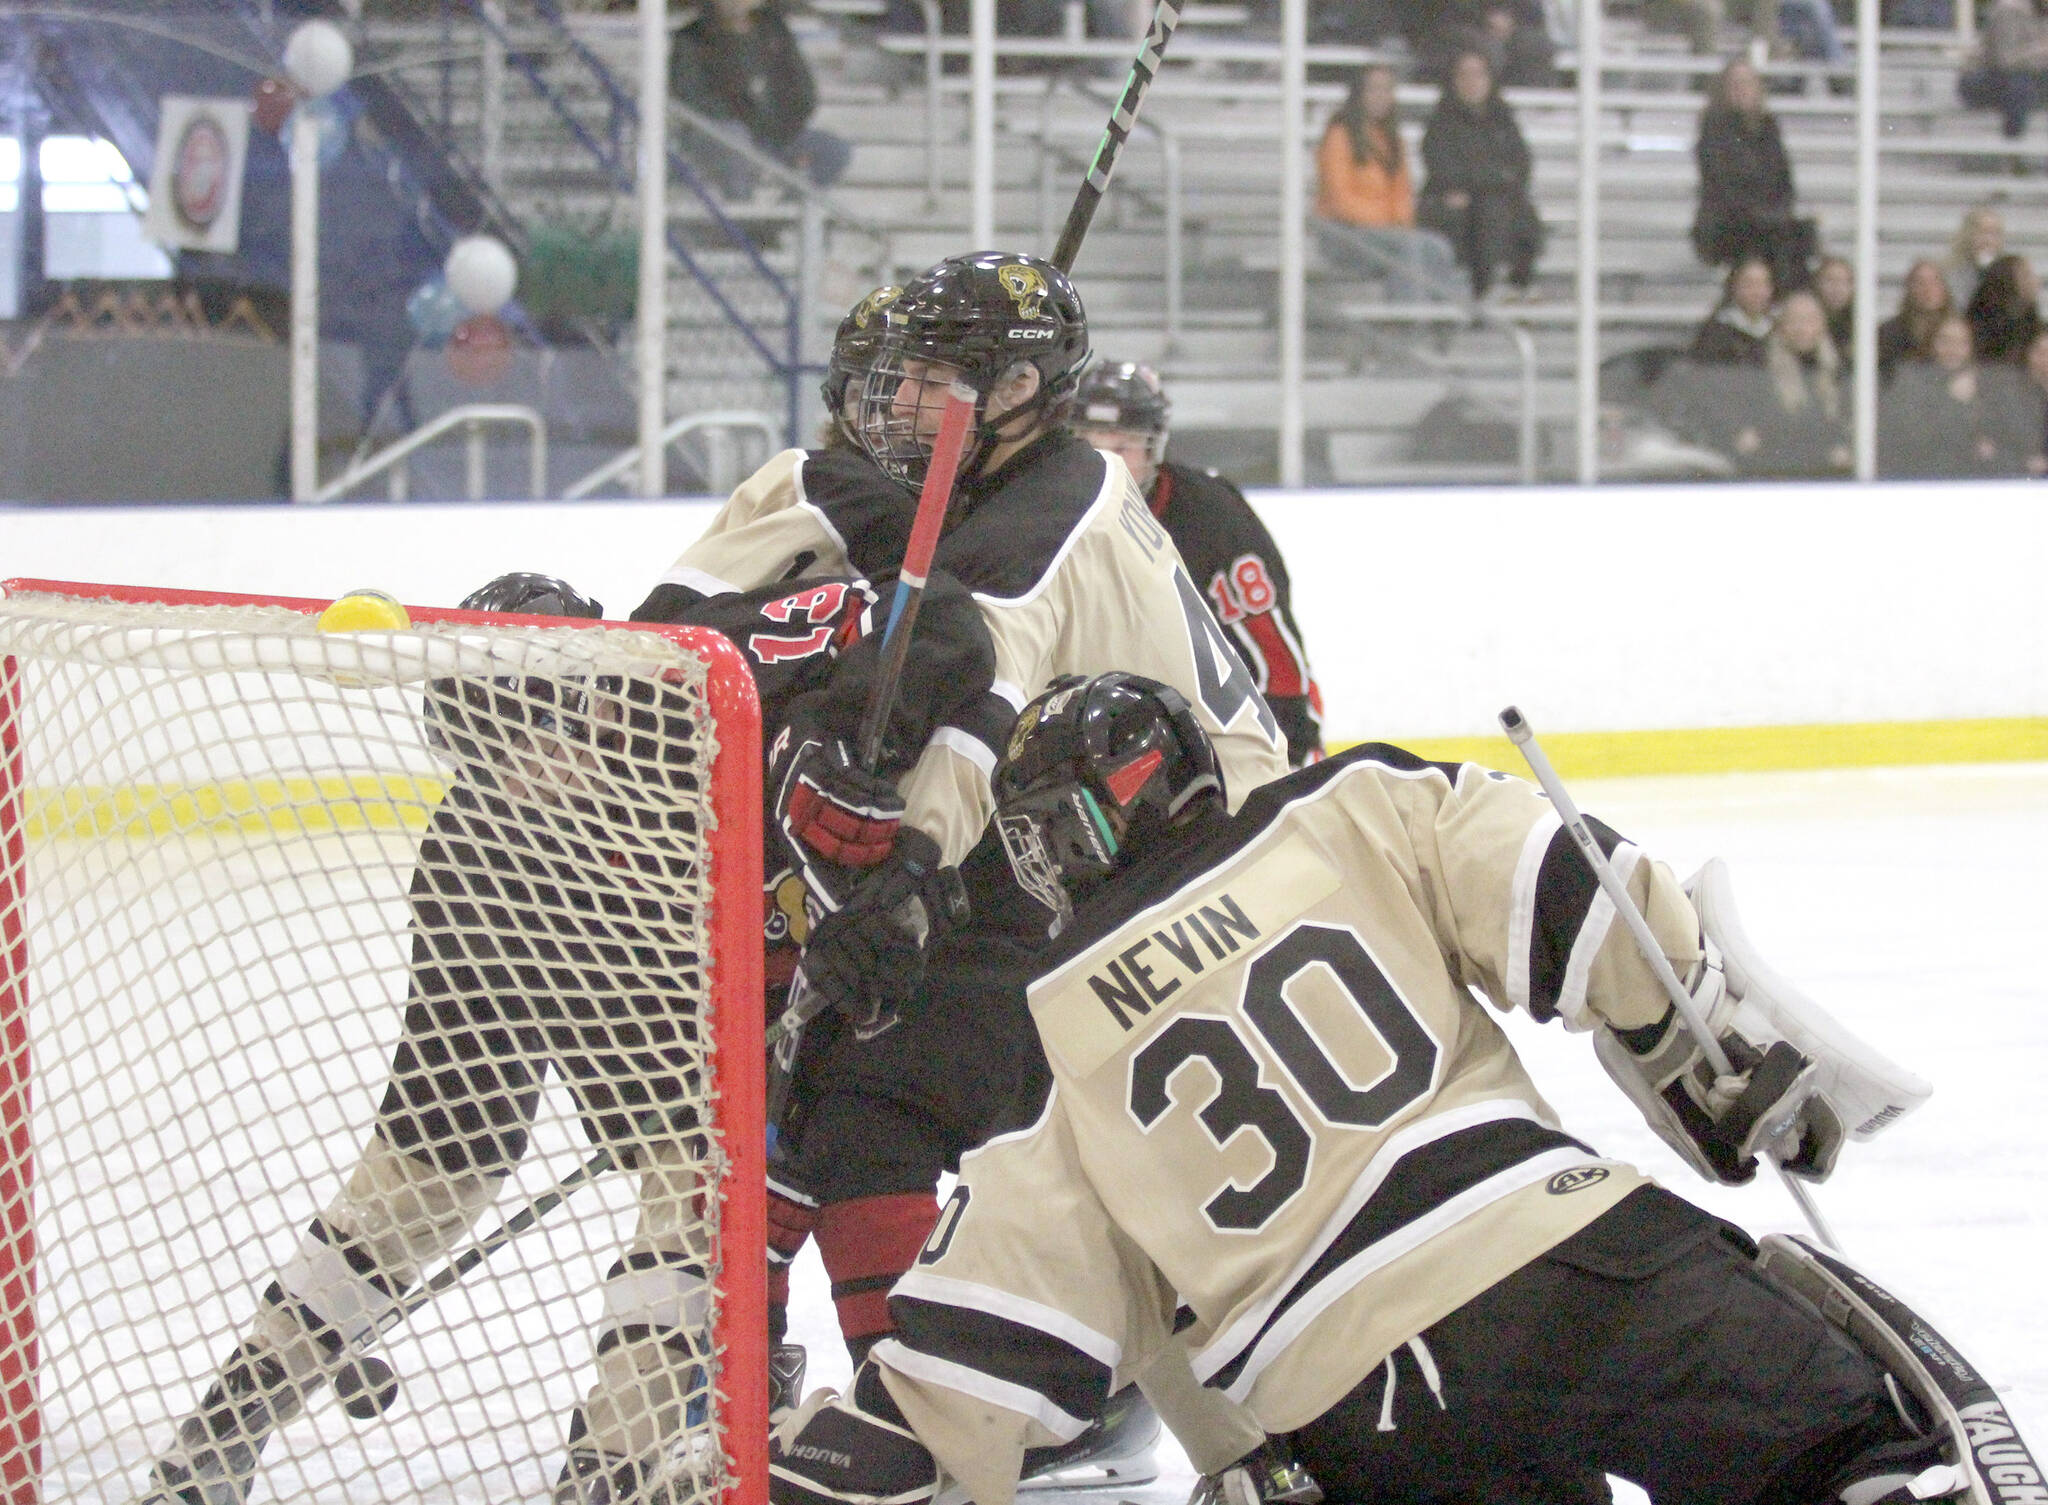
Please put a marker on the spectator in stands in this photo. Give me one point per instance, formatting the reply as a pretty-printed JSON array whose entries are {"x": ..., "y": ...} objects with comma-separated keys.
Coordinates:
[
  {"x": 1834, "y": 283},
  {"x": 1476, "y": 193},
  {"x": 1808, "y": 28},
  {"x": 1797, "y": 423},
  {"x": 737, "y": 62},
  {"x": 2005, "y": 310},
  {"x": 1746, "y": 202},
  {"x": 1908, "y": 335},
  {"x": 1951, "y": 417},
  {"x": 2015, "y": 62},
  {"x": 1980, "y": 240},
  {"x": 1365, "y": 197},
  {"x": 1734, "y": 333}
]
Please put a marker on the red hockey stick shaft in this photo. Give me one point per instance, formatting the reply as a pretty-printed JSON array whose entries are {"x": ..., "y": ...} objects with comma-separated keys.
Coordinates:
[{"x": 925, "y": 529}]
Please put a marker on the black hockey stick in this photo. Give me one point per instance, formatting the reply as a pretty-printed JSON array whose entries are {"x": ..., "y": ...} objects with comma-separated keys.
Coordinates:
[
  {"x": 214, "y": 1461},
  {"x": 1165, "y": 17}
]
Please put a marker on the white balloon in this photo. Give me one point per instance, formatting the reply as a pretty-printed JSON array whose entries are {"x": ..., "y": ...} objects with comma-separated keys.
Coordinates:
[
  {"x": 318, "y": 58},
  {"x": 481, "y": 273}
]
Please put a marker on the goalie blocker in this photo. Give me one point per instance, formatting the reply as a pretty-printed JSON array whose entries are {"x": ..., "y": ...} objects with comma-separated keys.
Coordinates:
[{"x": 1802, "y": 1083}]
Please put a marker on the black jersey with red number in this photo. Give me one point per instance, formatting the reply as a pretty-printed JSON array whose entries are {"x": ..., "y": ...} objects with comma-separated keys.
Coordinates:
[
  {"x": 814, "y": 654},
  {"x": 1238, "y": 567}
]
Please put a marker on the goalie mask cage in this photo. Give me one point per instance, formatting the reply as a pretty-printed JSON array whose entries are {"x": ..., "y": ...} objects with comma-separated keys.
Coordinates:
[{"x": 212, "y": 815}]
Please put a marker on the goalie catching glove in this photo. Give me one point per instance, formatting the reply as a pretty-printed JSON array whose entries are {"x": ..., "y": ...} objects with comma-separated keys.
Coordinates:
[
  {"x": 866, "y": 954},
  {"x": 1801, "y": 1082}
]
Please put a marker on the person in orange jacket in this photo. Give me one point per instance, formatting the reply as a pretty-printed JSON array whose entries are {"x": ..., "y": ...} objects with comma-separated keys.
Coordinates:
[{"x": 1365, "y": 197}]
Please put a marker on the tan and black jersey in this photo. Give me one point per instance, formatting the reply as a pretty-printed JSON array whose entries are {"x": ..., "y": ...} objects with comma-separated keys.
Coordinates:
[
  {"x": 1277, "y": 1118},
  {"x": 1072, "y": 573}
]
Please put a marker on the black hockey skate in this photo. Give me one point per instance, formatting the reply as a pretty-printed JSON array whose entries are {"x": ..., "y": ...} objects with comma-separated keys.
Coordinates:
[
  {"x": 214, "y": 1459},
  {"x": 1267, "y": 1475},
  {"x": 1114, "y": 1453}
]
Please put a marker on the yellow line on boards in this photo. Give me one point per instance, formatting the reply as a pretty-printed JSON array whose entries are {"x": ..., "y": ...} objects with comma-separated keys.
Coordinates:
[
  {"x": 284, "y": 807},
  {"x": 1755, "y": 749}
]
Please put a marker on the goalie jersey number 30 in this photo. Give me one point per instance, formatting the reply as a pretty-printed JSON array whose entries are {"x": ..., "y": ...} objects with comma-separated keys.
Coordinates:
[{"x": 1242, "y": 1100}]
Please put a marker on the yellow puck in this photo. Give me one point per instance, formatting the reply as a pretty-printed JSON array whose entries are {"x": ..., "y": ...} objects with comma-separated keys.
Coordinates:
[{"x": 365, "y": 611}]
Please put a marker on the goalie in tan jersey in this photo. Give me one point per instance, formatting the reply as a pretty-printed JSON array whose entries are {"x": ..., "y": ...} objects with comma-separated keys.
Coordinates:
[{"x": 1276, "y": 1121}]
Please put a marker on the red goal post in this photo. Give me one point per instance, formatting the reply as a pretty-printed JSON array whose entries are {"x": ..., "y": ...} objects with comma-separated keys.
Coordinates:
[{"x": 226, "y": 866}]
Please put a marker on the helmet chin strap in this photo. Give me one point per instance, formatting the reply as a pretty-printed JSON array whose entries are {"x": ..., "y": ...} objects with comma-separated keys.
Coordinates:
[{"x": 990, "y": 434}]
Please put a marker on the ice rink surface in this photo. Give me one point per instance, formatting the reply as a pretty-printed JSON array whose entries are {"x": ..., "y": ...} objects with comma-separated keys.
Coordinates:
[{"x": 1913, "y": 904}]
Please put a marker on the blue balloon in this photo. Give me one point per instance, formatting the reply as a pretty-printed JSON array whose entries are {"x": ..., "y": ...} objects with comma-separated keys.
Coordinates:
[{"x": 434, "y": 312}]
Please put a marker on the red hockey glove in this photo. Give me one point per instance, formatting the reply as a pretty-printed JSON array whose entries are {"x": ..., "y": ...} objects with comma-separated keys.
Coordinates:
[{"x": 833, "y": 810}]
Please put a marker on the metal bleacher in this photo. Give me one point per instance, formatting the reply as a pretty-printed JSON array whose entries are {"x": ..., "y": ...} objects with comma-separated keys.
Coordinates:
[{"x": 1369, "y": 381}]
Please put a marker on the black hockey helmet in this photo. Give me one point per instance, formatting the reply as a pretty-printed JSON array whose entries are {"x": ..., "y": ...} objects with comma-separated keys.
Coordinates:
[
  {"x": 854, "y": 346},
  {"x": 532, "y": 595},
  {"x": 1125, "y": 396},
  {"x": 473, "y": 717},
  {"x": 979, "y": 315},
  {"x": 1097, "y": 768}
]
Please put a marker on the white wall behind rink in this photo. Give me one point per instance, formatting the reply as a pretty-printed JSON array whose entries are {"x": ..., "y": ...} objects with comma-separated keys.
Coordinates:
[{"x": 1425, "y": 611}]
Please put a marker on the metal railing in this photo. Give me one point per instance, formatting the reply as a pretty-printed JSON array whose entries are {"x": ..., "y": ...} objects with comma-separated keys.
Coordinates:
[
  {"x": 472, "y": 419},
  {"x": 719, "y": 421},
  {"x": 1458, "y": 316}
]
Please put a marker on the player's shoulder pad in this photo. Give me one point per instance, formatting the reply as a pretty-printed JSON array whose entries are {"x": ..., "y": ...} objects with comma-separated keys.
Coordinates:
[
  {"x": 870, "y": 513},
  {"x": 1017, "y": 531},
  {"x": 1268, "y": 800}
]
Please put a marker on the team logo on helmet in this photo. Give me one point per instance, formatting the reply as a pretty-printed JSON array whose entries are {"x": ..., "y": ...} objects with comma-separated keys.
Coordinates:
[
  {"x": 1026, "y": 287},
  {"x": 870, "y": 308}
]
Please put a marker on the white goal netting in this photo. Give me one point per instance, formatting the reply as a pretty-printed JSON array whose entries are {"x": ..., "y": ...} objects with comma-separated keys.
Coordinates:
[{"x": 321, "y": 956}]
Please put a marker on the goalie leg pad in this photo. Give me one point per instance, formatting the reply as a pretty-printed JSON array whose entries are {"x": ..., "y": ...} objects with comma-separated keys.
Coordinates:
[
  {"x": 856, "y": 1447},
  {"x": 1993, "y": 1462}
]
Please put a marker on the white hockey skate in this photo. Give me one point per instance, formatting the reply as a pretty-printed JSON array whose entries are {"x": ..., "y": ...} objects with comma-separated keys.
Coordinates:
[{"x": 1114, "y": 1453}]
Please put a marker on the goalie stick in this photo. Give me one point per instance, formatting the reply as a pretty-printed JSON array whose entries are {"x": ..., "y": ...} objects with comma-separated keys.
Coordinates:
[
  {"x": 232, "y": 1435},
  {"x": 1523, "y": 736}
]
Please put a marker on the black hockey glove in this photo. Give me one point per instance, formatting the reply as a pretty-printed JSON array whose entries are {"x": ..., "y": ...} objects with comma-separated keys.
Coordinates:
[
  {"x": 832, "y": 810},
  {"x": 866, "y": 958}
]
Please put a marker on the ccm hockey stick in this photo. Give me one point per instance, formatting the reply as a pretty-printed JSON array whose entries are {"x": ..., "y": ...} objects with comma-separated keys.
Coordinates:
[
  {"x": 214, "y": 1459},
  {"x": 1524, "y": 737}
]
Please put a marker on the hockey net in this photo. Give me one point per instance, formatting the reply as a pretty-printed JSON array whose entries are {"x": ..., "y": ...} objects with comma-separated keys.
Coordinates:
[{"x": 212, "y": 816}]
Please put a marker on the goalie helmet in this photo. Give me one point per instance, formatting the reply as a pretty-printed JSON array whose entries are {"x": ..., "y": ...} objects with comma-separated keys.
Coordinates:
[
  {"x": 479, "y": 719},
  {"x": 977, "y": 317},
  {"x": 1097, "y": 768}
]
